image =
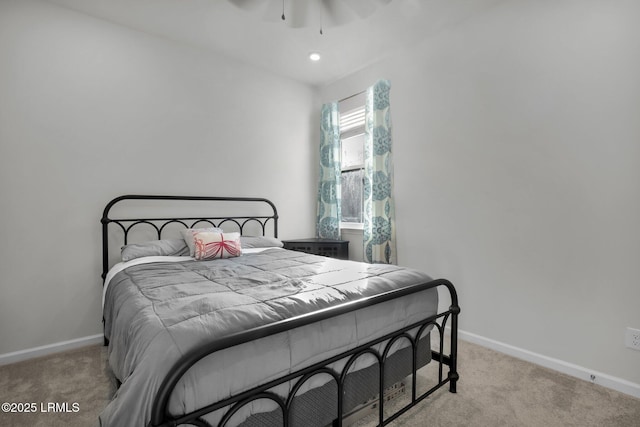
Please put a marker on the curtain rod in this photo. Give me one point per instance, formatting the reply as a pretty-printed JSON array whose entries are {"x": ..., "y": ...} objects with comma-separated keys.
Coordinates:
[{"x": 351, "y": 96}]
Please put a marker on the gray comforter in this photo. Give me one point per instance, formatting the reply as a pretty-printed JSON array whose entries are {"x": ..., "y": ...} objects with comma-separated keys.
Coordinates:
[{"x": 155, "y": 313}]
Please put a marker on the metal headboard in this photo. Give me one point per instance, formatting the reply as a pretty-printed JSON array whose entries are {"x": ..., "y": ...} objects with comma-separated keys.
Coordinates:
[{"x": 159, "y": 223}]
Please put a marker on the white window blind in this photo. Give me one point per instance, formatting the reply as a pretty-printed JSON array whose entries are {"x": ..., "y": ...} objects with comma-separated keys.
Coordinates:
[{"x": 352, "y": 122}]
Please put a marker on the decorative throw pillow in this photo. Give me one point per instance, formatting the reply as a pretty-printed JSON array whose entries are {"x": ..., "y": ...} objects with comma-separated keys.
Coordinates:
[
  {"x": 188, "y": 234},
  {"x": 212, "y": 245}
]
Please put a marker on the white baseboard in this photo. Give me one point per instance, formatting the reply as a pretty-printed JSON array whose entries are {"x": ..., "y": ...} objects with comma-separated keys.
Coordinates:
[
  {"x": 30, "y": 353},
  {"x": 570, "y": 369}
]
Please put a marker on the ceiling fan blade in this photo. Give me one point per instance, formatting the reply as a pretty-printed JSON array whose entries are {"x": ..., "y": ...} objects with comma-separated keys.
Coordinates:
[
  {"x": 364, "y": 8},
  {"x": 340, "y": 12},
  {"x": 268, "y": 10},
  {"x": 297, "y": 13},
  {"x": 336, "y": 12},
  {"x": 305, "y": 13},
  {"x": 246, "y": 4}
]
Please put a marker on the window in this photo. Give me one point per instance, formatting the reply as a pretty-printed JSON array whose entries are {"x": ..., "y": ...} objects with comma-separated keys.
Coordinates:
[{"x": 352, "y": 138}]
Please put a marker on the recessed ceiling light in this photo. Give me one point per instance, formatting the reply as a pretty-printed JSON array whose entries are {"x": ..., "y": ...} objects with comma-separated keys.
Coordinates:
[{"x": 314, "y": 56}]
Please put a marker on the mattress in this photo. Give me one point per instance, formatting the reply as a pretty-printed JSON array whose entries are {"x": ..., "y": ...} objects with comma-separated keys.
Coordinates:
[{"x": 157, "y": 311}]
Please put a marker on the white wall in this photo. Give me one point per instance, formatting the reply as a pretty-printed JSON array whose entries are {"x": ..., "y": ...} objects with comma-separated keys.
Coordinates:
[
  {"x": 517, "y": 166},
  {"x": 90, "y": 110}
]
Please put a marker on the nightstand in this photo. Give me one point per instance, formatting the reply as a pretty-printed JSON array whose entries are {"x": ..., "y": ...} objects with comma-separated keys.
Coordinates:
[{"x": 325, "y": 247}]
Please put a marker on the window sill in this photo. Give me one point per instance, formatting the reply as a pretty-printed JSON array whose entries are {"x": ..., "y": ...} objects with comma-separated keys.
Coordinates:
[{"x": 351, "y": 226}]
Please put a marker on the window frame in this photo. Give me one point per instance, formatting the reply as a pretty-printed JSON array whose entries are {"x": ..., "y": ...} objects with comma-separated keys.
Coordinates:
[{"x": 352, "y": 124}]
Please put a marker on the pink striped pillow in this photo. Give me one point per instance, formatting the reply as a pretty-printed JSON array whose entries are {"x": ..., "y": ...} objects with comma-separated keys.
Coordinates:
[{"x": 212, "y": 245}]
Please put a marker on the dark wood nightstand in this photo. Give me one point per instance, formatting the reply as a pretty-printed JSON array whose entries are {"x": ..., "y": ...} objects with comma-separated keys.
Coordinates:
[{"x": 325, "y": 247}]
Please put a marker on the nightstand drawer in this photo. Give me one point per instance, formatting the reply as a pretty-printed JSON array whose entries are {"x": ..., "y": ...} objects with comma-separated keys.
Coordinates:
[{"x": 325, "y": 247}]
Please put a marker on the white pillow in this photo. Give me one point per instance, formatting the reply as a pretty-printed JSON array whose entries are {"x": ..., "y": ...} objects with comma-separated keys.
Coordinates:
[
  {"x": 187, "y": 235},
  {"x": 260, "y": 242},
  {"x": 165, "y": 247},
  {"x": 213, "y": 245}
]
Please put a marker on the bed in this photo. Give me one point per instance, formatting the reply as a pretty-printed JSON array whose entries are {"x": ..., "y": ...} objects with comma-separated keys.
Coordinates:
[{"x": 257, "y": 335}]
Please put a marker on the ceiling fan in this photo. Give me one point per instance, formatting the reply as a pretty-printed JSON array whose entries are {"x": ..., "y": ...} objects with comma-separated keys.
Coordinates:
[{"x": 309, "y": 13}]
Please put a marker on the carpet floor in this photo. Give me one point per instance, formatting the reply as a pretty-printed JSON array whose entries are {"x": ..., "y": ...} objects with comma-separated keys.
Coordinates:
[{"x": 70, "y": 389}]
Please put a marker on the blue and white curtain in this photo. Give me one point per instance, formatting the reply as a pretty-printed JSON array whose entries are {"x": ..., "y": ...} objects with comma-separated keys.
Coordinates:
[
  {"x": 379, "y": 208},
  {"x": 328, "y": 215}
]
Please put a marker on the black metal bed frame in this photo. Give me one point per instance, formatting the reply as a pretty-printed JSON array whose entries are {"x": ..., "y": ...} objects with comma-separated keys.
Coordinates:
[
  {"x": 160, "y": 416},
  {"x": 127, "y": 224}
]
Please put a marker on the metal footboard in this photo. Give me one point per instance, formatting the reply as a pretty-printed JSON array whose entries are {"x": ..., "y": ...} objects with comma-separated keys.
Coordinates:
[{"x": 160, "y": 416}]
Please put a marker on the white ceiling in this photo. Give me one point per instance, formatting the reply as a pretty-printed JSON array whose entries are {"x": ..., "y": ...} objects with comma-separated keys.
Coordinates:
[{"x": 267, "y": 42}]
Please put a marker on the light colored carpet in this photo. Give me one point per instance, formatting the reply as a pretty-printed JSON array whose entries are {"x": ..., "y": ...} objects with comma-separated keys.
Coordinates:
[
  {"x": 494, "y": 390},
  {"x": 78, "y": 376}
]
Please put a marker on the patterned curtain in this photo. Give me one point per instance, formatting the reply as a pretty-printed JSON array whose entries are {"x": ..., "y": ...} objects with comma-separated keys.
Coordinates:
[
  {"x": 328, "y": 219},
  {"x": 379, "y": 210}
]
